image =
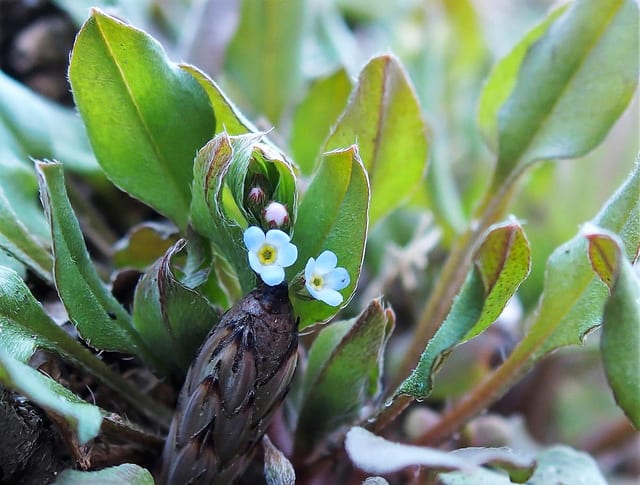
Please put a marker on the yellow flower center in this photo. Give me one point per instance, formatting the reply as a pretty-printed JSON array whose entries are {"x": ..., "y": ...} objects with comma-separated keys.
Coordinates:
[
  {"x": 267, "y": 255},
  {"x": 317, "y": 282}
]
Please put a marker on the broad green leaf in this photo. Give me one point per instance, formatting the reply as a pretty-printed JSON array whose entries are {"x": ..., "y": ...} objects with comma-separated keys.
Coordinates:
[
  {"x": 228, "y": 117},
  {"x": 84, "y": 418},
  {"x": 116, "y": 475},
  {"x": 332, "y": 216},
  {"x": 572, "y": 85},
  {"x": 263, "y": 59},
  {"x": 384, "y": 119},
  {"x": 315, "y": 116},
  {"x": 501, "y": 263},
  {"x": 100, "y": 319},
  {"x": 18, "y": 241},
  {"x": 171, "y": 318},
  {"x": 503, "y": 77},
  {"x": 573, "y": 298},
  {"x": 143, "y": 245},
  {"x": 620, "y": 322},
  {"x": 338, "y": 385},
  {"x": 39, "y": 128},
  {"x": 561, "y": 464},
  {"x": 145, "y": 117},
  {"x": 374, "y": 454}
]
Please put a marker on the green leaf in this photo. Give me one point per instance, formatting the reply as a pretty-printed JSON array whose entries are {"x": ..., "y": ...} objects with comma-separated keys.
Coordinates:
[
  {"x": 18, "y": 241},
  {"x": 228, "y": 117},
  {"x": 170, "y": 317},
  {"x": 36, "y": 127},
  {"x": 332, "y": 216},
  {"x": 116, "y": 475},
  {"x": 337, "y": 384},
  {"x": 503, "y": 77},
  {"x": 146, "y": 118},
  {"x": 561, "y": 464},
  {"x": 143, "y": 245},
  {"x": 314, "y": 117},
  {"x": 573, "y": 299},
  {"x": 501, "y": 264},
  {"x": 100, "y": 319},
  {"x": 384, "y": 119},
  {"x": 265, "y": 55},
  {"x": 620, "y": 323},
  {"x": 25, "y": 326},
  {"x": 374, "y": 454},
  {"x": 84, "y": 418},
  {"x": 572, "y": 85}
]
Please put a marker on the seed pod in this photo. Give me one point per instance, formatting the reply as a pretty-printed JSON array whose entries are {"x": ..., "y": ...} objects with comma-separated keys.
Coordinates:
[{"x": 240, "y": 376}]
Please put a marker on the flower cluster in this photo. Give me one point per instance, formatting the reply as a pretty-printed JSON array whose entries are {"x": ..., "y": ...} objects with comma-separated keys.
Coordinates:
[{"x": 270, "y": 253}]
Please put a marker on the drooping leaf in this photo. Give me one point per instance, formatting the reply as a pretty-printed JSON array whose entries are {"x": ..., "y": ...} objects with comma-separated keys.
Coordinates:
[
  {"x": 561, "y": 464},
  {"x": 590, "y": 52},
  {"x": 374, "y": 454},
  {"x": 314, "y": 118},
  {"x": 503, "y": 77},
  {"x": 501, "y": 263},
  {"x": 82, "y": 417},
  {"x": 332, "y": 216},
  {"x": 170, "y": 317},
  {"x": 620, "y": 321},
  {"x": 264, "y": 57},
  {"x": 116, "y": 475},
  {"x": 146, "y": 118},
  {"x": 100, "y": 319},
  {"x": 278, "y": 470},
  {"x": 38, "y": 128},
  {"x": 384, "y": 119},
  {"x": 338, "y": 382},
  {"x": 573, "y": 298},
  {"x": 228, "y": 117},
  {"x": 143, "y": 245},
  {"x": 18, "y": 241}
]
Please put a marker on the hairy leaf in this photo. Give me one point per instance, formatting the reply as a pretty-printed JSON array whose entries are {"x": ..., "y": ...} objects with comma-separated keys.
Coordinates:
[
  {"x": 384, "y": 119},
  {"x": 332, "y": 216},
  {"x": 84, "y": 418},
  {"x": 126, "y": 473},
  {"x": 146, "y": 118}
]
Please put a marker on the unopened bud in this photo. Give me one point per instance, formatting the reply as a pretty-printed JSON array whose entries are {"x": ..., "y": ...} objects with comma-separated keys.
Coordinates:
[
  {"x": 276, "y": 215},
  {"x": 257, "y": 197}
]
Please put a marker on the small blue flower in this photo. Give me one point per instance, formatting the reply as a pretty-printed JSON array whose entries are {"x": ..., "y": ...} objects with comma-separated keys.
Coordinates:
[
  {"x": 323, "y": 279},
  {"x": 270, "y": 253}
]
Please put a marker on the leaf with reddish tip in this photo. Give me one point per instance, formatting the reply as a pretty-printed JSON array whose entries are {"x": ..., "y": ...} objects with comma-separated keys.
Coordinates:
[
  {"x": 384, "y": 119},
  {"x": 501, "y": 263},
  {"x": 604, "y": 253}
]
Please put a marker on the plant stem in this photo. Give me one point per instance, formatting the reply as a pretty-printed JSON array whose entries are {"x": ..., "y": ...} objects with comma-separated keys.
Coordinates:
[{"x": 486, "y": 393}]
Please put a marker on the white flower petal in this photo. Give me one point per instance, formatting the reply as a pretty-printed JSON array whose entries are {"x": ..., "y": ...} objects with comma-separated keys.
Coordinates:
[
  {"x": 287, "y": 255},
  {"x": 272, "y": 275},
  {"x": 326, "y": 262},
  {"x": 253, "y": 238},
  {"x": 337, "y": 279},
  {"x": 330, "y": 297},
  {"x": 254, "y": 262},
  {"x": 308, "y": 269},
  {"x": 277, "y": 238}
]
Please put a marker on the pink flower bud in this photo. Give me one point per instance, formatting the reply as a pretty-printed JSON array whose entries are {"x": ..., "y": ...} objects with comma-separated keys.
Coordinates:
[
  {"x": 256, "y": 196},
  {"x": 276, "y": 215}
]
